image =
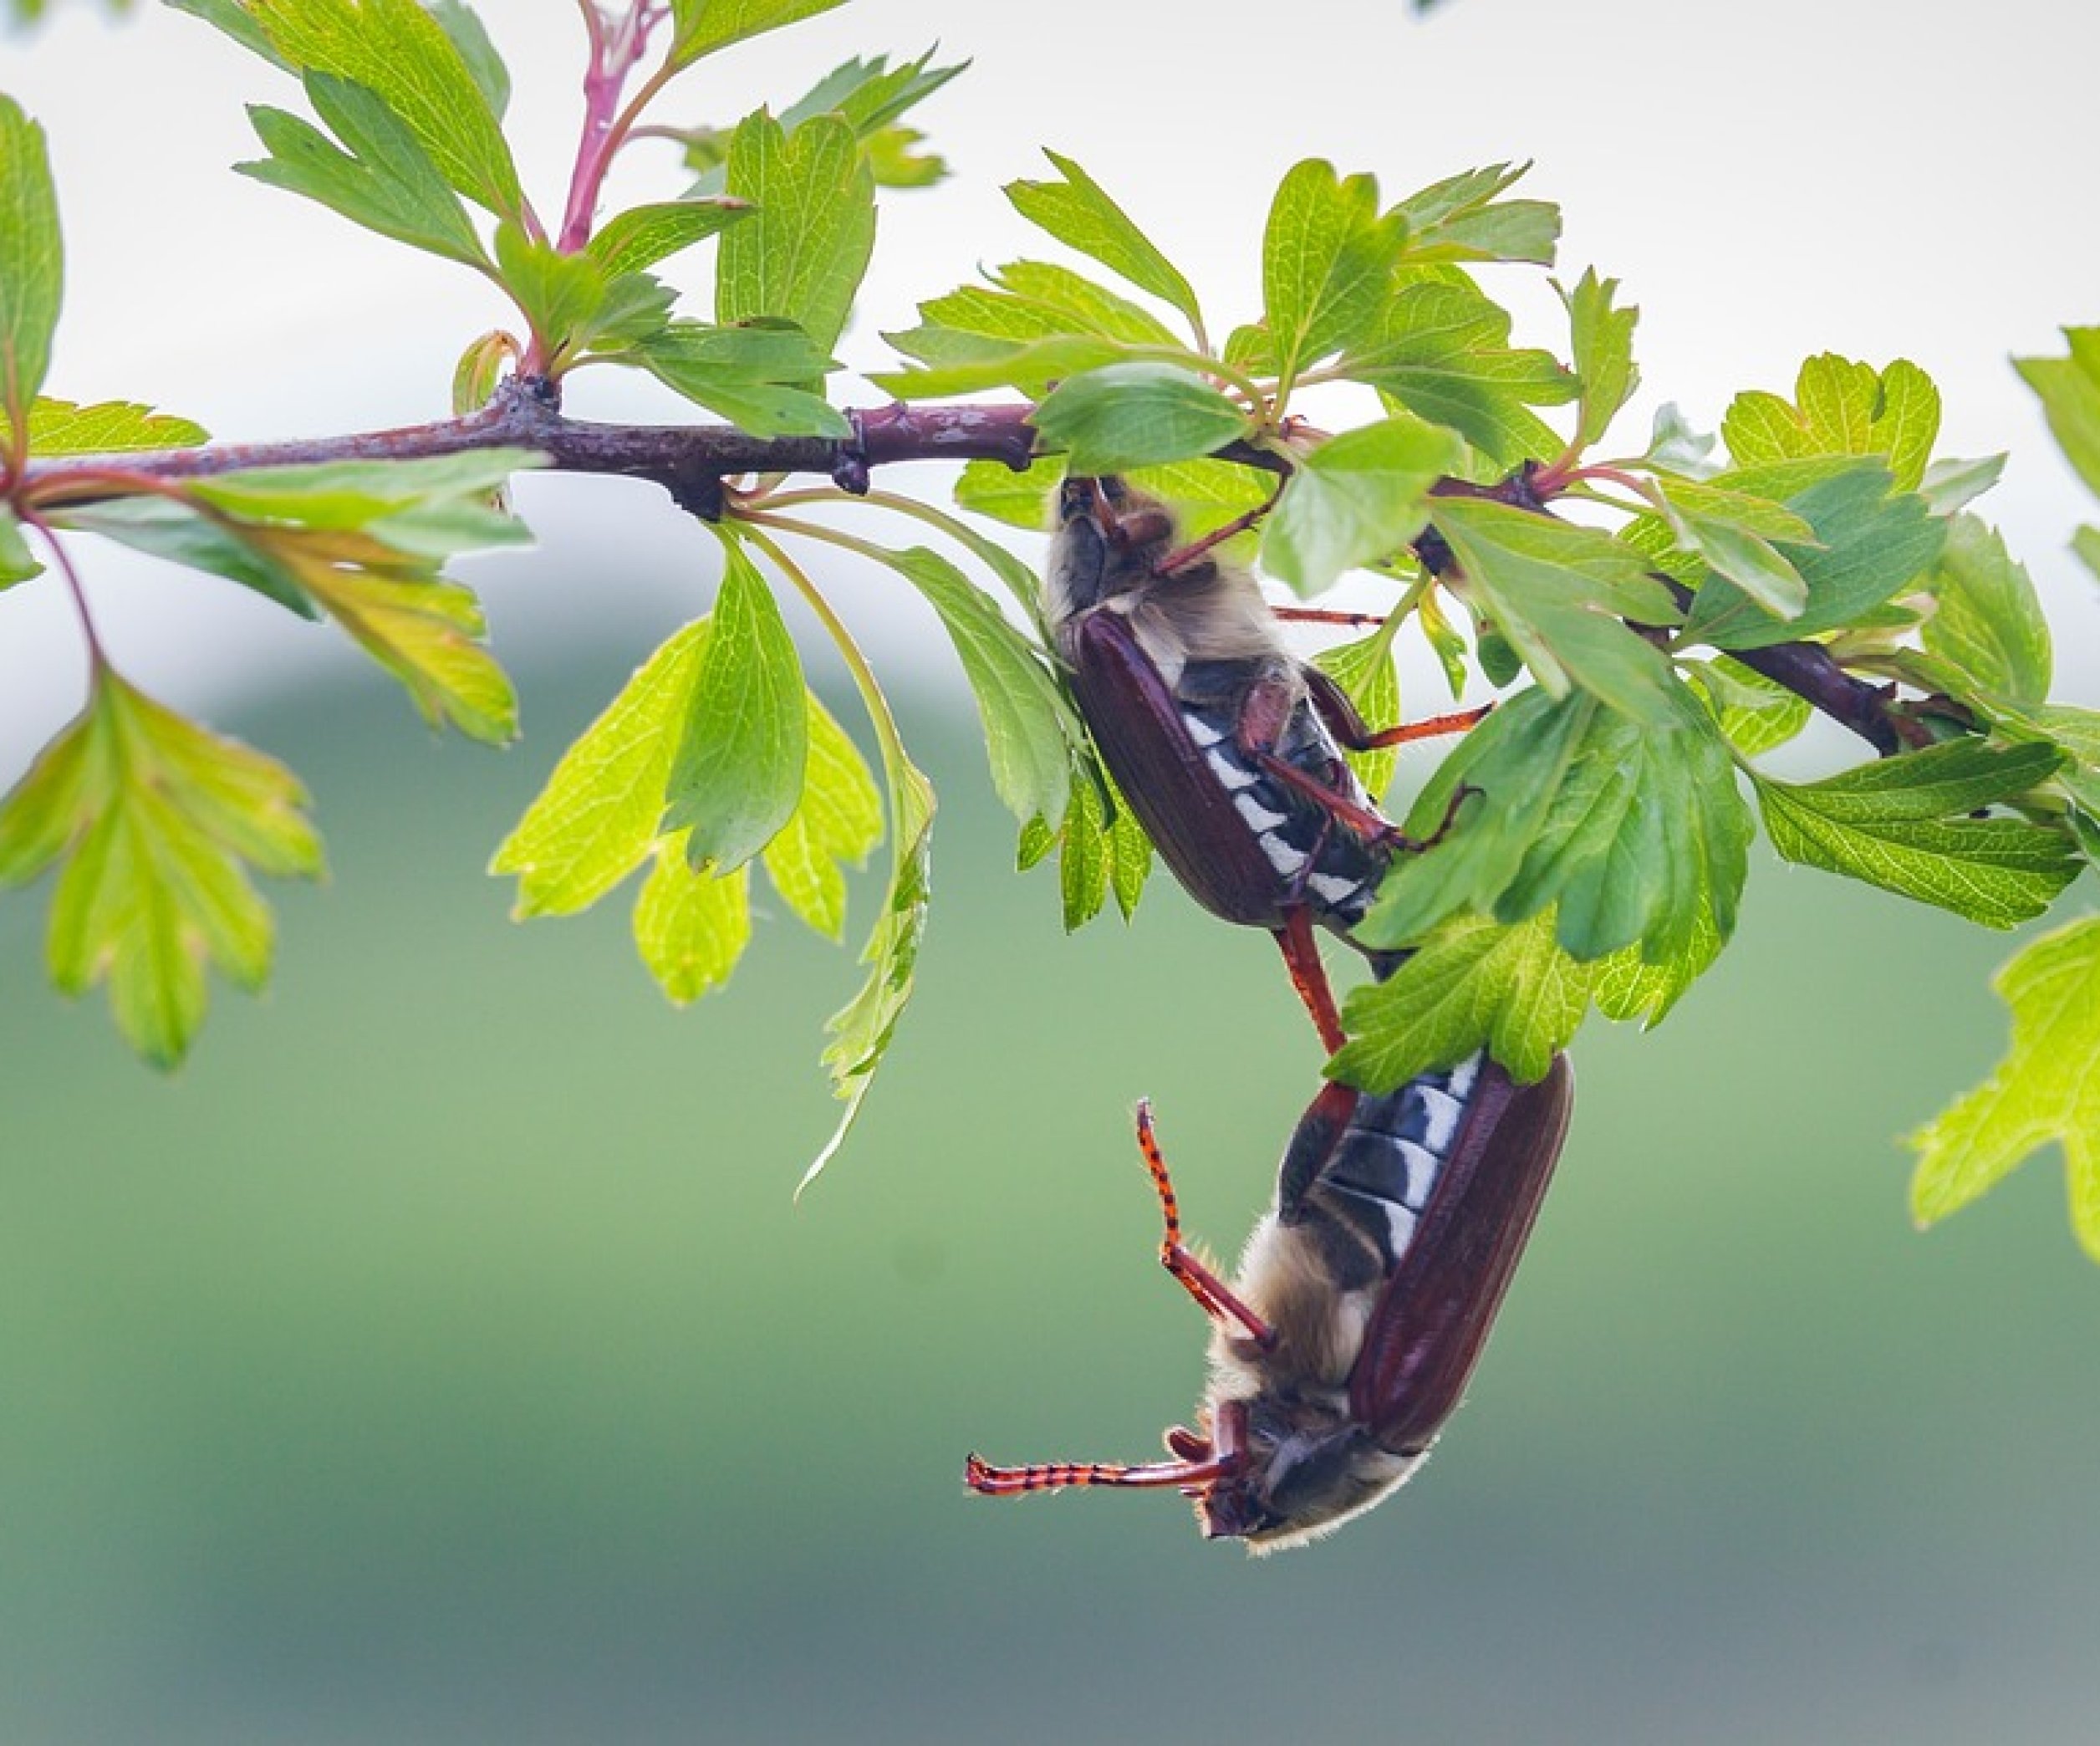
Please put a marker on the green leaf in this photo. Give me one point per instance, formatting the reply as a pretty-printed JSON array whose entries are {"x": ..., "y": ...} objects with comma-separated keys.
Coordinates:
[
  {"x": 1733, "y": 531},
  {"x": 1080, "y": 215},
  {"x": 2047, "y": 1087},
  {"x": 1440, "y": 348},
  {"x": 1446, "y": 642},
  {"x": 173, "y": 531},
  {"x": 2086, "y": 542},
  {"x": 1130, "y": 854},
  {"x": 737, "y": 777},
  {"x": 1474, "y": 982},
  {"x": 1026, "y": 733},
  {"x": 1630, "y": 986},
  {"x": 1366, "y": 672},
  {"x": 1328, "y": 258},
  {"x": 232, "y": 17},
  {"x": 491, "y": 78},
  {"x": 1842, "y": 408},
  {"x": 1462, "y": 218},
  {"x": 1870, "y": 546},
  {"x": 837, "y": 824},
  {"x": 801, "y": 258},
  {"x": 690, "y": 925},
  {"x": 108, "y": 427},
  {"x": 480, "y": 372},
  {"x": 1019, "y": 499},
  {"x": 644, "y": 235},
  {"x": 427, "y": 634},
  {"x": 1034, "y": 300},
  {"x": 2069, "y": 388},
  {"x": 1633, "y": 832},
  {"x": 1602, "y": 340},
  {"x": 32, "y": 261},
  {"x": 1754, "y": 714},
  {"x": 1358, "y": 496},
  {"x": 961, "y": 363},
  {"x": 17, "y": 563},
  {"x": 1083, "y": 858},
  {"x": 403, "y": 57},
  {"x": 600, "y": 813},
  {"x": 700, "y": 27},
  {"x": 1896, "y": 823},
  {"x": 155, "y": 818},
  {"x": 385, "y": 181},
  {"x": 750, "y": 375},
  {"x": 1560, "y": 594},
  {"x": 1110, "y": 420},
  {"x": 1988, "y": 621},
  {"x": 862, "y": 1029}
]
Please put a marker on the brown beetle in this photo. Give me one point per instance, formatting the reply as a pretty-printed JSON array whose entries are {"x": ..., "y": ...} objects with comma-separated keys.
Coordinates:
[
  {"x": 1360, "y": 1307},
  {"x": 1225, "y": 744}
]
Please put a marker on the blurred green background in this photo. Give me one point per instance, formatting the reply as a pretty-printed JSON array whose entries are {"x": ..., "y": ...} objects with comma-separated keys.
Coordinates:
[{"x": 439, "y": 1357}]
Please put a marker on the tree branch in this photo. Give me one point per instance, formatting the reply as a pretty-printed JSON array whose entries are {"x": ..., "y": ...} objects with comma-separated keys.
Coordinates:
[{"x": 692, "y": 461}]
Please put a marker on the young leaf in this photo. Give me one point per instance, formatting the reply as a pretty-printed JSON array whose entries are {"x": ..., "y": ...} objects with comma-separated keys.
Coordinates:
[
  {"x": 601, "y": 812},
  {"x": 837, "y": 825},
  {"x": 1868, "y": 547},
  {"x": 1632, "y": 832},
  {"x": 1133, "y": 415},
  {"x": 1019, "y": 499},
  {"x": 963, "y": 363},
  {"x": 753, "y": 376},
  {"x": 1733, "y": 532},
  {"x": 1602, "y": 342},
  {"x": 700, "y": 27},
  {"x": 108, "y": 427},
  {"x": 690, "y": 925},
  {"x": 402, "y": 55},
  {"x": 2047, "y": 1087},
  {"x": 1365, "y": 671},
  {"x": 2069, "y": 388},
  {"x": 1754, "y": 713},
  {"x": 386, "y": 181},
  {"x": 427, "y": 634},
  {"x": 31, "y": 261},
  {"x": 1083, "y": 858},
  {"x": 1844, "y": 408},
  {"x": 737, "y": 777},
  {"x": 862, "y": 1029},
  {"x": 155, "y": 818},
  {"x": 1472, "y": 983},
  {"x": 1988, "y": 621},
  {"x": 642, "y": 235},
  {"x": 1360, "y": 496},
  {"x": 1561, "y": 595},
  {"x": 1027, "y": 731},
  {"x": 1080, "y": 215},
  {"x": 1462, "y": 218},
  {"x": 17, "y": 563},
  {"x": 1440, "y": 348},
  {"x": 1327, "y": 264},
  {"x": 1897, "y": 824},
  {"x": 801, "y": 258}
]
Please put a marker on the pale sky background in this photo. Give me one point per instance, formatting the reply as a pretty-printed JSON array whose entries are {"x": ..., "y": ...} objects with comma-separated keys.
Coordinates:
[{"x": 1767, "y": 181}]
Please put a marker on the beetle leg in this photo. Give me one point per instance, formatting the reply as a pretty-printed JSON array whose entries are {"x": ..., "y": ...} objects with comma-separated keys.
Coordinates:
[
  {"x": 1340, "y": 714},
  {"x": 1308, "y": 975},
  {"x": 981, "y": 1477},
  {"x": 1327, "y": 615},
  {"x": 1215, "y": 1297}
]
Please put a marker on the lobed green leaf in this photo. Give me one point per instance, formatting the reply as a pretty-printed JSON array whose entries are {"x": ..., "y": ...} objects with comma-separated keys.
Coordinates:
[
  {"x": 738, "y": 773},
  {"x": 108, "y": 427},
  {"x": 1988, "y": 621},
  {"x": 1602, "y": 343},
  {"x": 1360, "y": 496},
  {"x": 1125, "y": 416},
  {"x": 2047, "y": 1087},
  {"x": 801, "y": 258},
  {"x": 31, "y": 261},
  {"x": 1079, "y": 214},
  {"x": 1327, "y": 259},
  {"x": 700, "y": 27}
]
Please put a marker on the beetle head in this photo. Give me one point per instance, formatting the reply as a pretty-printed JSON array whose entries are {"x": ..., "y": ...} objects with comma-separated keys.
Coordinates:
[{"x": 1294, "y": 1470}]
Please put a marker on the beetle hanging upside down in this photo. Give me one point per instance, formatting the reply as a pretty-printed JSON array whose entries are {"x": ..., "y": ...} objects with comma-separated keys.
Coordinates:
[
  {"x": 1362, "y": 1304},
  {"x": 1223, "y": 742}
]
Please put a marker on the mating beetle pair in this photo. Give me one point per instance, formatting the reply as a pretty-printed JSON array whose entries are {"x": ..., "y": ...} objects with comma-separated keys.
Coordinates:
[{"x": 1366, "y": 1294}]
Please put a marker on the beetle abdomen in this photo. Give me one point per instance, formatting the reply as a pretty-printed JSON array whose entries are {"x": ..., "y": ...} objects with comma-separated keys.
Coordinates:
[
  {"x": 1317, "y": 857},
  {"x": 1392, "y": 1153}
]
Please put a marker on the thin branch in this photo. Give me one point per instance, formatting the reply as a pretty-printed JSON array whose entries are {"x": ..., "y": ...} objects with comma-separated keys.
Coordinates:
[{"x": 691, "y": 462}]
